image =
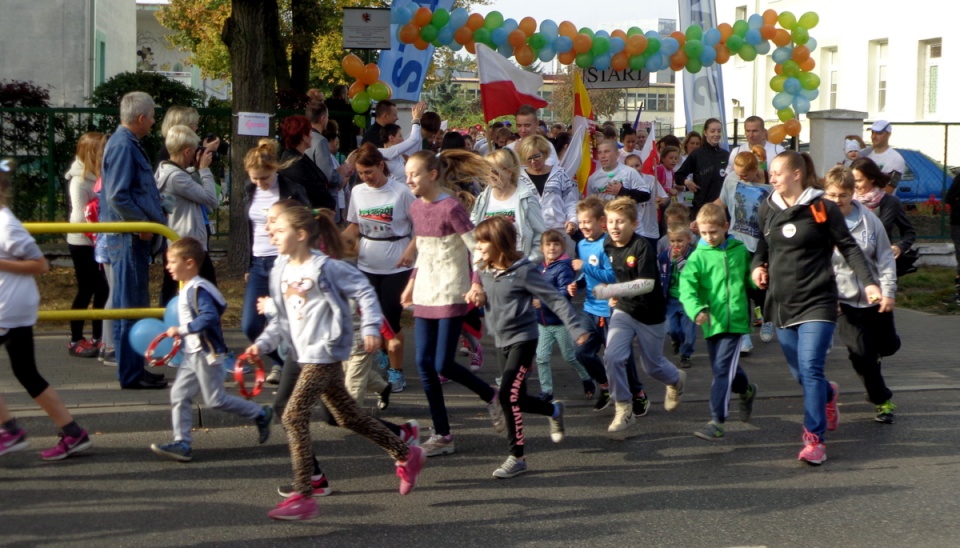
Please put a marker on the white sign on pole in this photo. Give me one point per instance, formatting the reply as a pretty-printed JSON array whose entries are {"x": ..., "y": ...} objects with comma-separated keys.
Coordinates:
[
  {"x": 615, "y": 79},
  {"x": 253, "y": 123},
  {"x": 366, "y": 28}
]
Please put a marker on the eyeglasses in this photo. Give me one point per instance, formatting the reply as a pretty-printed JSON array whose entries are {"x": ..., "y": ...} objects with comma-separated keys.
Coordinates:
[
  {"x": 831, "y": 196},
  {"x": 534, "y": 157}
]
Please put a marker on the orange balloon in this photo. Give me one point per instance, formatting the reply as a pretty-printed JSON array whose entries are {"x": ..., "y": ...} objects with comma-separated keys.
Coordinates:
[
  {"x": 679, "y": 36},
  {"x": 528, "y": 25},
  {"x": 636, "y": 44},
  {"x": 792, "y": 127},
  {"x": 463, "y": 35},
  {"x": 781, "y": 38},
  {"x": 420, "y": 44},
  {"x": 801, "y": 53},
  {"x": 567, "y": 57},
  {"x": 517, "y": 38},
  {"x": 567, "y": 29},
  {"x": 471, "y": 46},
  {"x": 524, "y": 55},
  {"x": 352, "y": 65},
  {"x": 723, "y": 53},
  {"x": 767, "y": 32},
  {"x": 770, "y": 17},
  {"x": 620, "y": 61},
  {"x": 422, "y": 17},
  {"x": 355, "y": 88},
  {"x": 778, "y": 68},
  {"x": 371, "y": 73},
  {"x": 808, "y": 65},
  {"x": 474, "y": 22},
  {"x": 678, "y": 60},
  {"x": 582, "y": 43},
  {"x": 409, "y": 33},
  {"x": 726, "y": 31},
  {"x": 619, "y": 34},
  {"x": 777, "y": 134}
]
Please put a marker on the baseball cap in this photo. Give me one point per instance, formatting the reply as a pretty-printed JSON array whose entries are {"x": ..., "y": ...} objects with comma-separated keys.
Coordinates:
[{"x": 881, "y": 126}]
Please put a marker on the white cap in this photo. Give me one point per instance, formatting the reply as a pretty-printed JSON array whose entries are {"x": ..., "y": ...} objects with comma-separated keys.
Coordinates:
[
  {"x": 850, "y": 145},
  {"x": 881, "y": 126}
]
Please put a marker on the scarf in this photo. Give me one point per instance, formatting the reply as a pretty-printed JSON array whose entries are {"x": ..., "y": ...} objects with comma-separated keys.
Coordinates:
[{"x": 871, "y": 199}]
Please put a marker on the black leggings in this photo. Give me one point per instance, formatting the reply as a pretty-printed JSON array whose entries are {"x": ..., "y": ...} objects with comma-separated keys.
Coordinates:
[
  {"x": 517, "y": 359},
  {"x": 91, "y": 283},
  {"x": 389, "y": 287},
  {"x": 19, "y": 343}
]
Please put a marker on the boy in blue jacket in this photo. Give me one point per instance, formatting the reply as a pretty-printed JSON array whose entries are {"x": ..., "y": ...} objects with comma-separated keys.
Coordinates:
[
  {"x": 200, "y": 306},
  {"x": 680, "y": 328}
]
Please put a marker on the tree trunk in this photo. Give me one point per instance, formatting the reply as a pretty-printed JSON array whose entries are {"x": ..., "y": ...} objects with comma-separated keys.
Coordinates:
[
  {"x": 254, "y": 69},
  {"x": 306, "y": 16}
]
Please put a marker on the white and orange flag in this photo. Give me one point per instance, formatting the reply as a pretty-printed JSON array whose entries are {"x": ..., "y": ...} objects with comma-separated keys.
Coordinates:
[{"x": 505, "y": 87}]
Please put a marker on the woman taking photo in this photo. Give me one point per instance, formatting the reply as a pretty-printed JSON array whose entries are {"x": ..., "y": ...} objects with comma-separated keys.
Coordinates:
[
  {"x": 707, "y": 165},
  {"x": 298, "y": 168},
  {"x": 798, "y": 231}
]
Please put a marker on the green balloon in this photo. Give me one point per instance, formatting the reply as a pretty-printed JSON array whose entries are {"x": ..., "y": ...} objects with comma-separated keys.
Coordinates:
[
  {"x": 378, "y": 91},
  {"x": 360, "y": 102},
  {"x": 809, "y": 20},
  {"x": 482, "y": 35},
  {"x": 537, "y": 41},
  {"x": 587, "y": 31},
  {"x": 694, "y": 65},
  {"x": 653, "y": 46},
  {"x": 748, "y": 52},
  {"x": 634, "y": 31},
  {"x": 693, "y": 48},
  {"x": 585, "y": 60},
  {"x": 800, "y": 35},
  {"x": 791, "y": 69},
  {"x": 809, "y": 80},
  {"x": 637, "y": 62},
  {"x": 601, "y": 45},
  {"x": 786, "y": 114},
  {"x": 493, "y": 20},
  {"x": 429, "y": 33},
  {"x": 360, "y": 121},
  {"x": 440, "y": 18},
  {"x": 776, "y": 83},
  {"x": 734, "y": 43},
  {"x": 740, "y": 28},
  {"x": 694, "y": 32},
  {"x": 787, "y": 20}
]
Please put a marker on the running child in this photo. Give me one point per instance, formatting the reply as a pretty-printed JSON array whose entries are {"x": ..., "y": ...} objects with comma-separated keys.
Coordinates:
[
  {"x": 199, "y": 309},
  {"x": 310, "y": 293},
  {"x": 713, "y": 292},
  {"x": 648, "y": 211},
  {"x": 680, "y": 328},
  {"x": 508, "y": 284}
]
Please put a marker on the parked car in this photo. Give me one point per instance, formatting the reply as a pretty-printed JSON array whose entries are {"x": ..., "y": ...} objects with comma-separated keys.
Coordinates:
[{"x": 924, "y": 177}]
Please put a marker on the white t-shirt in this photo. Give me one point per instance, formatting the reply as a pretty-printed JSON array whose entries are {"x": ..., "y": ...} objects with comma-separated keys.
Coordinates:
[
  {"x": 623, "y": 154},
  {"x": 771, "y": 149},
  {"x": 889, "y": 161},
  {"x": 551, "y": 161},
  {"x": 743, "y": 202},
  {"x": 300, "y": 293},
  {"x": 648, "y": 226},
  {"x": 597, "y": 183},
  {"x": 507, "y": 208},
  {"x": 261, "y": 202},
  {"x": 19, "y": 298},
  {"x": 383, "y": 214}
]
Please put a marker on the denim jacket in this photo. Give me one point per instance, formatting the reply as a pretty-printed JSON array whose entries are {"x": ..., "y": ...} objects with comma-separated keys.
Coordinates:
[{"x": 128, "y": 184}]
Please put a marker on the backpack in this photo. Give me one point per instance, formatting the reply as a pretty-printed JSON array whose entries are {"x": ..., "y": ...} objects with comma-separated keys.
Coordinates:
[{"x": 91, "y": 211}]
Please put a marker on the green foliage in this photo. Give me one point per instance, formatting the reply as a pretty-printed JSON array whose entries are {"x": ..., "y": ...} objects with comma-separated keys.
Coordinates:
[{"x": 166, "y": 92}]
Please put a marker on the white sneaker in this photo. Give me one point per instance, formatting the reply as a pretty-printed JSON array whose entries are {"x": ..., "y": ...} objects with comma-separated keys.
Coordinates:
[
  {"x": 766, "y": 332},
  {"x": 675, "y": 392},
  {"x": 747, "y": 346},
  {"x": 623, "y": 419},
  {"x": 439, "y": 445}
]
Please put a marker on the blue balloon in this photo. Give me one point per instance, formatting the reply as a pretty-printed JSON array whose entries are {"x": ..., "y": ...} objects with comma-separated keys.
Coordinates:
[
  {"x": 711, "y": 37},
  {"x": 763, "y": 47},
  {"x": 792, "y": 86},
  {"x": 801, "y": 104},
  {"x": 653, "y": 63},
  {"x": 455, "y": 46},
  {"x": 445, "y": 36},
  {"x": 143, "y": 332},
  {"x": 546, "y": 54},
  {"x": 509, "y": 25},
  {"x": 782, "y": 54},
  {"x": 753, "y": 37},
  {"x": 782, "y": 100},
  {"x": 549, "y": 28},
  {"x": 171, "y": 316},
  {"x": 506, "y": 50},
  {"x": 755, "y": 21},
  {"x": 602, "y": 33},
  {"x": 811, "y": 43},
  {"x": 602, "y": 62},
  {"x": 708, "y": 56},
  {"x": 499, "y": 36},
  {"x": 616, "y": 45},
  {"x": 458, "y": 18},
  {"x": 669, "y": 45},
  {"x": 403, "y": 15},
  {"x": 652, "y": 34},
  {"x": 810, "y": 94},
  {"x": 562, "y": 44}
]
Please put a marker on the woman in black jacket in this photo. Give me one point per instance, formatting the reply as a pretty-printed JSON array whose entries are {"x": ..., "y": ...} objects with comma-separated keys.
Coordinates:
[
  {"x": 300, "y": 169},
  {"x": 707, "y": 164},
  {"x": 869, "y": 183},
  {"x": 798, "y": 232}
]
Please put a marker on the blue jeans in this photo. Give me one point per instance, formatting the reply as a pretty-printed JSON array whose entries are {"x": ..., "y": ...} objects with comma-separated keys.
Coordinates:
[
  {"x": 258, "y": 285},
  {"x": 680, "y": 327},
  {"x": 131, "y": 289},
  {"x": 436, "y": 348},
  {"x": 728, "y": 376},
  {"x": 805, "y": 347},
  {"x": 550, "y": 334}
]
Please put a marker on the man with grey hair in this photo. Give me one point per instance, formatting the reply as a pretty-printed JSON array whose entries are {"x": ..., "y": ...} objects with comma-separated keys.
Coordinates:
[
  {"x": 129, "y": 193},
  {"x": 756, "y": 133}
]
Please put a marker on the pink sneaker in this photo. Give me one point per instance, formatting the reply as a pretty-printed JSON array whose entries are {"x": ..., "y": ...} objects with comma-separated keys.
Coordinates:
[
  {"x": 11, "y": 443},
  {"x": 409, "y": 471},
  {"x": 443, "y": 380},
  {"x": 297, "y": 507},
  {"x": 476, "y": 359},
  {"x": 833, "y": 414},
  {"x": 814, "y": 451},
  {"x": 410, "y": 433},
  {"x": 67, "y": 446}
]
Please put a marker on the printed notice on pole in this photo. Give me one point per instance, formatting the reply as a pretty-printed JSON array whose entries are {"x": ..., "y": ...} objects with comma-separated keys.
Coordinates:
[
  {"x": 253, "y": 123},
  {"x": 366, "y": 28}
]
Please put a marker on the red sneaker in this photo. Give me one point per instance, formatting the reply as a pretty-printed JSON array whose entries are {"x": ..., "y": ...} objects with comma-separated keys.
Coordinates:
[
  {"x": 297, "y": 507},
  {"x": 409, "y": 470},
  {"x": 814, "y": 451},
  {"x": 833, "y": 413}
]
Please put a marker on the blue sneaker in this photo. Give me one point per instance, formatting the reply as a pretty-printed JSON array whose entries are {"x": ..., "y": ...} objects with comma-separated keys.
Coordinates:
[
  {"x": 397, "y": 380},
  {"x": 178, "y": 451},
  {"x": 263, "y": 424},
  {"x": 383, "y": 360}
]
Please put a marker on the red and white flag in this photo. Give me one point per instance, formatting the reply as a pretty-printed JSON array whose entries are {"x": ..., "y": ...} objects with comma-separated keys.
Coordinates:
[{"x": 505, "y": 87}]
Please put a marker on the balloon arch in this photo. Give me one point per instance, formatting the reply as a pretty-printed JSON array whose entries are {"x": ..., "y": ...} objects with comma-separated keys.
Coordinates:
[{"x": 782, "y": 35}]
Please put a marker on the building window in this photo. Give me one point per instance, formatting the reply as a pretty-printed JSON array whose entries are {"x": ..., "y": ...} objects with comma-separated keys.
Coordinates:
[
  {"x": 830, "y": 63},
  {"x": 930, "y": 51},
  {"x": 878, "y": 54},
  {"x": 741, "y": 13},
  {"x": 100, "y": 58}
]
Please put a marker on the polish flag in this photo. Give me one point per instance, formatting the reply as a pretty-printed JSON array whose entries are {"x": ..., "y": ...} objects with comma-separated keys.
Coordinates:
[{"x": 505, "y": 87}]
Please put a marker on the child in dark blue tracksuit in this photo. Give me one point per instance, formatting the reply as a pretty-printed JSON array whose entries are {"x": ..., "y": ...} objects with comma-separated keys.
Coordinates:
[
  {"x": 557, "y": 270},
  {"x": 682, "y": 330}
]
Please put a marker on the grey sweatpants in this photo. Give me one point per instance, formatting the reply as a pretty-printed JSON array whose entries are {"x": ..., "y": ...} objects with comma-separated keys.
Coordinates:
[{"x": 623, "y": 328}]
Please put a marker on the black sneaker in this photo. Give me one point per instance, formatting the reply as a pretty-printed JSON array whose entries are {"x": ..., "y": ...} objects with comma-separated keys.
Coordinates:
[
  {"x": 676, "y": 347},
  {"x": 746, "y": 402},
  {"x": 383, "y": 399},
  {"x": 641, "y": 404},
  {"x": 603, "y": 401},
  {"x": 685, "y": 362},
  {"x": 589, "y": 389},
  {"x": 263, "y": 425},
  {"x": 321, "y": 487}
]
